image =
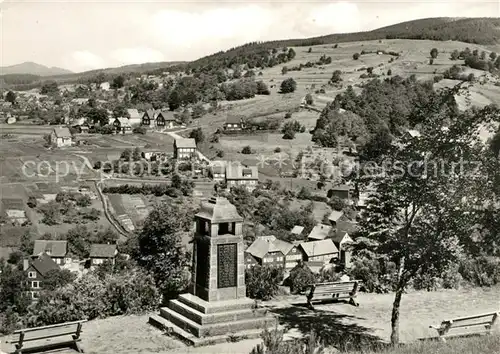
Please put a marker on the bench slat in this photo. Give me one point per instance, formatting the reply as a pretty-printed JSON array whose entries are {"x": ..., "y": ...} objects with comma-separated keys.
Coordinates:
[
  {"x": 26, "y": 330},
  {"x": 45, "y": 337},
  {"x": 470, "y": 317},
  {"x": 487, "y": 323}
]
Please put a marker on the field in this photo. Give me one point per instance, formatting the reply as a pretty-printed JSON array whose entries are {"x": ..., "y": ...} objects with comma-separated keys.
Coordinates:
[{"x": 338, "y": 324}]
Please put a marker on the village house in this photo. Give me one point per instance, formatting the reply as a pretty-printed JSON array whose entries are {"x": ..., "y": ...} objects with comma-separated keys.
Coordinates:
[
  {"x": 218, "y": 170},
  {"x": 297, "y": 230},
  {"x": 122, "y": 125},
  {"x": 240, "y": 175},
  {"x": 343, "y": 191},
  {"x": 319, "y": 251},
  {"x": 165, "y": 119},
  {"x": 335, "y": 216},
  {"x": 268, "y": 250},
  {"x": 319, "y": 232},
  {"x": 184, "y": 148},
  {"x": 36, "y": 270},
  {"x": 342, "y": 240},
  {"x": 148, "y": 118},
  {"x": 135, "y": 117},
  {"x": 233, "y": 123},
  {"x": 100, "y": 253},
  {"x": 57, "y": 250},
  {"x": 61, "y": 137}
]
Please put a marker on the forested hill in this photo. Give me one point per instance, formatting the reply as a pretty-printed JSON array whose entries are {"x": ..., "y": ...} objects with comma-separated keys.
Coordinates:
[{"x": 470, "y": 30}]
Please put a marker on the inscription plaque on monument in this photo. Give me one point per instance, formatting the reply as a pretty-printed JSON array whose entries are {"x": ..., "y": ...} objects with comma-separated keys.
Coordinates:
[
  {"x": 227, "y": 263},
  {"x": 202, "y": 256}
]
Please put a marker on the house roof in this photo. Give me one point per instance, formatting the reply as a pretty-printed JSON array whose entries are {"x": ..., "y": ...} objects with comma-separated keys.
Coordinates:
[
  {"x": 44, "y": 264},
  {"x": 319, "y": 248},
  {"x": 102, "y": 250},
  {"x": 335, "y": 215},
  {"x": 340, "y": 236},
  {"x": 150, "y": 114},
  {"x": 297, "y": 230},
  {"x": 264, "y": 245},
  {"x": 51, "y": 247},
  {"x": 238, "y": 171},
  {"x": 320, "y": 232},
  {"x": 124, "y": 122},
  {"x": 134, "y": 113},
  {"x": 218, "y": 210},
  {"x": 185, "y": 143},
  {"x": 167, "y": 115},
  {"x": 233, "y": 120},
  {"x": 62, "y": 132}
]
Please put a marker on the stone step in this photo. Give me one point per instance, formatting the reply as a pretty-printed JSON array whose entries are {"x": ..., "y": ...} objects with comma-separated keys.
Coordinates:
[
  {"x": 188, "y": 338},
  {"x": 203, "y": 318},
  {"x": 215, "y": 329},
  {"x": 216, "y": 306}
]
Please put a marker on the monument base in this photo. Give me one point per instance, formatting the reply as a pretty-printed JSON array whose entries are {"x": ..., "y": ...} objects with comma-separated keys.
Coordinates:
[{"x": 200, "y": 322}]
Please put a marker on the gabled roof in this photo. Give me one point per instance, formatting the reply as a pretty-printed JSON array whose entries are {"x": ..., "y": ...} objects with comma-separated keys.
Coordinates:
[
  {"x": 134, "y": 113},
  {"x": 264, "y": 245},
  {"x": 297, "y": 230},
  {"x": 233, "y": 120},
  {"x": 102, "y": 250},
  {"x": 166, "y": 115},
  {"x": 340, "y": 236},
  {"x": 62, "y": 132},
  {"x": 283, "y": 246},
  {"x": 185, "y": 143},
  {"x": 320, "y": 232},
  {"x": 335, "y": 215},
  {"x": 44, "y": 264},
  {"x": 51, "y": 247},
  {"x": 258, "y": 248},
  {"x": 218, "y": 210},
  {"x": 319, "y": 248},
  {"x": 150, "y": 113},
  {"x": 124, "y": 122}
]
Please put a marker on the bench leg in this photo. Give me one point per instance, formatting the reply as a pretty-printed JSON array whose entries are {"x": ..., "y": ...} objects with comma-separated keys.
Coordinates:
[{"x": 353, "y": 302}]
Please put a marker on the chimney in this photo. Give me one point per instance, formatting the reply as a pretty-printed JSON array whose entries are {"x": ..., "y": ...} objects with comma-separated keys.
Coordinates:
[{"x": 26, "y": 263}]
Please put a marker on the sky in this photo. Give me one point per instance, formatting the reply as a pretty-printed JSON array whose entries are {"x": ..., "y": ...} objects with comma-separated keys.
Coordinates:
[{"x": 91, "y": 34}]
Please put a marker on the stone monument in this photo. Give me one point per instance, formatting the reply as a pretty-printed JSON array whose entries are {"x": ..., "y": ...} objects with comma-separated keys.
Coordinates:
[{"x": 216, "y": 307}]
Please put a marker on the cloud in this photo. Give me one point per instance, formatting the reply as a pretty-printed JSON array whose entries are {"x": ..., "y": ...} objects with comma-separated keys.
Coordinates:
[
  {"x": 84, "y": 60},
  {"x": 340, "y": 17},
  {"x": 125, "y": 56}
]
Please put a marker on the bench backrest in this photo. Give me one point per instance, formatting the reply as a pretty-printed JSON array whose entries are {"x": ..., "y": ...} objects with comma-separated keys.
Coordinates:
[
  {"x": 481, "y": 319},
  {"x": 47, "y": 332},
  {"x": 335, "y": 287}
]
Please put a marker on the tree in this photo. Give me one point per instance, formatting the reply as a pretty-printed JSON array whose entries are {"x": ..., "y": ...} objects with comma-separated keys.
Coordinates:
[
  {"x": 120, "y": 111},
  {"x": 291, "y": 54},
  {"x": 57, "y": 278},
  {"x": 300, "y": 277},
  {"x": 434, "y": 53},
  {"x": 83, "y": 201},
  {"x": 197, "y": 135},
  {"x": 355, "y": 56},
  {"x": 482, "y": 56},
  {"x": 49, "y": 88},
  {"x": 118, "y": 82},
  {"x": 309, "y": 50},
  {"x": 287, "y": 86},
  {"x": 389, "y": 72},
  {"x": 32, "y": 202},
  {"x": 421, "y": 218},
  {"x": 126, "y": 154},
  {"x": 493, "y": 56},
  {"x": 10, "y": 97},
  {"x": 309, "y": 99},
  {"x": 262, "y": 88},
  {"x": 289, "y": 134},
  {"x": 336, "y": 77},
  {"x": 284, "y": 70},
  {"x": 160, "y": 250},
  {"x": 13, "y": 290},
  {"x": 246, "y": 150},
  {"x": 198, "y": 111},
  {"x": 174, "y": 101},
  {"x": 98, "y": 116},
  {"x": 454, "y": 55}
]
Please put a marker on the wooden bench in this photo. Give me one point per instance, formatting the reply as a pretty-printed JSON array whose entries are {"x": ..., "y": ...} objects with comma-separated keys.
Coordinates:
[
  {"x": 333, "y": 290},
  {"x": 39, "y": 335},
  {"x": 466, "y": 326}
]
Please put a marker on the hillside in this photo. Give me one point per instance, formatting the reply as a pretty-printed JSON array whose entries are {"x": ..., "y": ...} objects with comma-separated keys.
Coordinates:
[
  {"x": 31, "y": 68},
  {"x": 484, "y": 31}
]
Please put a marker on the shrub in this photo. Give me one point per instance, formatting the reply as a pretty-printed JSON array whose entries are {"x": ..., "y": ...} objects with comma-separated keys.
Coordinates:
[
  {"x": 247, "y": 150},
  {"x": 337, "y": 203},
  {"x": 277, "y": 149},
  {"x": 377, "y": 276},
  {"x": 83, "y": 201},
  {"x": 309, "y": 99},
  {"x": 389, "y": 72},
  {"x": 287, "y": 86},
  {"x": 481, "y": 271},
  {"x": 288, "y": 115},
  {"x": 262, "y": 282},
  {"x": 355, "y": 56},
  {"x": 32, "y": 202},
  {"x": 220, "y": 153},
  {"x": 300, "y": 277}
]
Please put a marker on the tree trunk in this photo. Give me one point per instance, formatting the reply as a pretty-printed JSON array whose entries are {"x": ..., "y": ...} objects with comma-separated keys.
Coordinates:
[{"x": 395, "y": 315}]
